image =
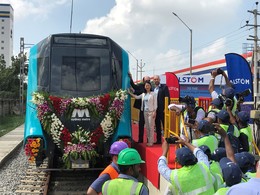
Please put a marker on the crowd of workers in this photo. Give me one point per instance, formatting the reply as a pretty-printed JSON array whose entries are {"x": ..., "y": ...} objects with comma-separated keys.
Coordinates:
[{"x": 216, "y": 153}]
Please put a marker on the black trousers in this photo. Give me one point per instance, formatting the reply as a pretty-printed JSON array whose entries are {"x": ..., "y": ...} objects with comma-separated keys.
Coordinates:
[
  {"x": 158, "y": 121},
  {"x": 141, "y": 127}
]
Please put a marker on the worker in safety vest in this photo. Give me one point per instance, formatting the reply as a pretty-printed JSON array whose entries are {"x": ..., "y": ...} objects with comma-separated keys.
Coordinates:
[
  {"x": 214, "y": 108},
  {"x": 250, "y": 187},
  {"x": 194, "y": 177},
  {"x": 232, "y": 175},
  {"x": 204, "y": 137},
  {"x": 228, "y": 93},
  {"x": 231, "y": 172},
  {"x": 232, "y": 130},
  {"x": 214, "y": 169},
  {"x": 246, "y": 135},
  {"x": 246, "y": 162},
  {"x": 110, "y": 172},
  {"x": 129, "y": 162}
]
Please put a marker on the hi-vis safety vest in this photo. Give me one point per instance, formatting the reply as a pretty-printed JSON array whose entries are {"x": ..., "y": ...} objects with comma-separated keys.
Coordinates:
[
  {"x": 248, "y": 132},
  {"x": 194, "y": 179},
  {"x": 222, "y": 191},
  {"x": 215, "y": 167},
  {"x": 111, "y": 171},
  {"x": 209, "y": 140},
  {"x": 250, "y": 175},
  {"x": 121, "y": 186},
  {"x": 236, "y": 131},
  {"x": 218, "y": 181}
]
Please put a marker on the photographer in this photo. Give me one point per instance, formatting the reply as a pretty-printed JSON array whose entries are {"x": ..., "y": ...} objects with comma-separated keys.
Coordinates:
[
  {"x": 241, "y": 96},
  {"x": 231, "y": 130},
  {"x": 216, "y": 106},
  {"x": 228, "y": 92},
  {"x": 195, "y": 167},
  {"x": 204, "y": 137},
  {"x": 193, "y": 113},
  {"x": 214, "y": 74},
  {"x": 246, "y": 136}
]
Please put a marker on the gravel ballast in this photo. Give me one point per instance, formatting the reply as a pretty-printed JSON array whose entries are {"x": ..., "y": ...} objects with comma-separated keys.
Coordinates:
[{"x": 12, "y": 172}]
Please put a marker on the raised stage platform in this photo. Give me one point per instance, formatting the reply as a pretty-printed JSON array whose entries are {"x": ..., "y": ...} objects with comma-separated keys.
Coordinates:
[{"x": 151, "y": 155}]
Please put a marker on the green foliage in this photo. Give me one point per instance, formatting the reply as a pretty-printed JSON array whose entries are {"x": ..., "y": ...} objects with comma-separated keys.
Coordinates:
[
  {"x": 10, "y": 122},
  {"x": 9, "y": 78}
]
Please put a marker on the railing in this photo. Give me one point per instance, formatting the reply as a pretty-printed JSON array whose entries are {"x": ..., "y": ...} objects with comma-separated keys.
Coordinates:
[
  {"x": 204, "y": 102},
  {"x": 171, "y": 120}
]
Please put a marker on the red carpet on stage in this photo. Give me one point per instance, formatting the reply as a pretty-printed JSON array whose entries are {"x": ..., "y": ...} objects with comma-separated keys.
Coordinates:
[{"x": 151, "y": 155}]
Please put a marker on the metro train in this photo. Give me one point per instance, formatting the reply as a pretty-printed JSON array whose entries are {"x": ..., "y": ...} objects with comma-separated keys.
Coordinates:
[{"x": 77, "y": 102}]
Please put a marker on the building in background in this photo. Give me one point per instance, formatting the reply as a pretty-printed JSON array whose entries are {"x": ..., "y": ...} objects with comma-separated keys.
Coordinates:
[{"x": 6, "y": 32}]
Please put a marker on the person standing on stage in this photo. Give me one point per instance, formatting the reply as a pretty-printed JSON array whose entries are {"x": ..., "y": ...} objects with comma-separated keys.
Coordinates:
[
  {"x": 148, "y": 106},
  {"x": 162, "y": 92},
  {"x": 137, "y": 90}
]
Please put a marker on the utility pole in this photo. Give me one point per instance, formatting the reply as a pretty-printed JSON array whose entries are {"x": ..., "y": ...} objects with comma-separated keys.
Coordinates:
[
  {"x": 141, "y": 69},
  {"x": 190, "y": 40},
  {"x": 255, "y": 50},
  {"x": 21, "y": 89},
  {"x": 256, "y": 112},
  {"x": 136, "y": 64},
  {"x": 71, "y": 15},
  {"x": 22, "y": 73}
]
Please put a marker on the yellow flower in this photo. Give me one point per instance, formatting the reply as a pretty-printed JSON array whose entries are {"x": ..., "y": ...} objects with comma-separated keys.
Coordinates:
[
  {"x": 33, "y": 144},
  {"x": 35, "y": 150}
]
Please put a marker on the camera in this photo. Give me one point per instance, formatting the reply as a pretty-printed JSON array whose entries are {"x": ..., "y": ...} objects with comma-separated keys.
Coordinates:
[
  {"x": 171, "y": 140},
  {"x": 191, "y": 121},
  {"x": 243, "y": 94},
  {"x": 219, "y": 71},
  {"x": 226, "y": 101}
]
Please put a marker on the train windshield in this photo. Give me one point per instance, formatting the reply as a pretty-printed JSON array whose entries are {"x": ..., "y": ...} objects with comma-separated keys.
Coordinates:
[
  {"x": 74, "y": 76},
  {"x": 81, "y": 71}
]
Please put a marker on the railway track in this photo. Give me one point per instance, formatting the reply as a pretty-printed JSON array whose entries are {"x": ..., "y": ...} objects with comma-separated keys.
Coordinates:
[{"x": 45, "y": 181}]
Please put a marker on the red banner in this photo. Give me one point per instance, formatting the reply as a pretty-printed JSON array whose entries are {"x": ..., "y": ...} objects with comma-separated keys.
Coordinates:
[{"x": 173, "y": 84}]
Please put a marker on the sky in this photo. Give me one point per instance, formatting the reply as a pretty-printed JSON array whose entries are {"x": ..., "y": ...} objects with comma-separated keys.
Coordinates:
[{"x": 146, "y": 29}]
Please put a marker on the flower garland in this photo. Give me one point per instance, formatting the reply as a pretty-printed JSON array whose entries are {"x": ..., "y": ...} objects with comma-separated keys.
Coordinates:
[
  {"x": 32, "y": 148},
  {"x": 51, "y": 108}
]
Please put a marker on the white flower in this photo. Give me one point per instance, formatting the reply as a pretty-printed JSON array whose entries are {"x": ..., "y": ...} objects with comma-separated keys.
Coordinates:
[
  {"x": 37, "y": 98},
  {"x": 80, "y": 101}
]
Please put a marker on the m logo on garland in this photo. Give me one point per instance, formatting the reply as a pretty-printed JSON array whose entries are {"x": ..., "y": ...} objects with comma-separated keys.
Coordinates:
[{"x": 80, "y": 115}]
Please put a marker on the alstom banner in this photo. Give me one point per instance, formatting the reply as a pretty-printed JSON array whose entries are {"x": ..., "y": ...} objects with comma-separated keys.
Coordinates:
[
  {"x": 199, "y": 80},
  {"x": 171, "y": 80},
  {"x": 239, "y": 73}
]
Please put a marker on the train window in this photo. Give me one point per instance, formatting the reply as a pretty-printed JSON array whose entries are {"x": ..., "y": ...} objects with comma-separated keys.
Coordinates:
[
  {"x": 80, "y": 41},
  {"x": 43, "y": 71},
  {"x": 75, "y": 77}
]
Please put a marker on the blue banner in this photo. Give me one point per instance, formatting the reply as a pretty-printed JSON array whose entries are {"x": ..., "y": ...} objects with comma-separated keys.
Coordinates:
[{"x": 239, "y": 73}]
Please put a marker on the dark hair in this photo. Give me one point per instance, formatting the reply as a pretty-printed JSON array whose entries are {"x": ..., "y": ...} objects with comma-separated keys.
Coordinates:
[
  {"x": 144, "y": 80},
  {"x": 124, "y": 168},
  {"x": 148, "y": 83}
]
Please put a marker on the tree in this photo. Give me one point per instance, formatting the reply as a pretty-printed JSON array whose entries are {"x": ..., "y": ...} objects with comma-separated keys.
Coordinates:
[{"x": 9, "y": 78}]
